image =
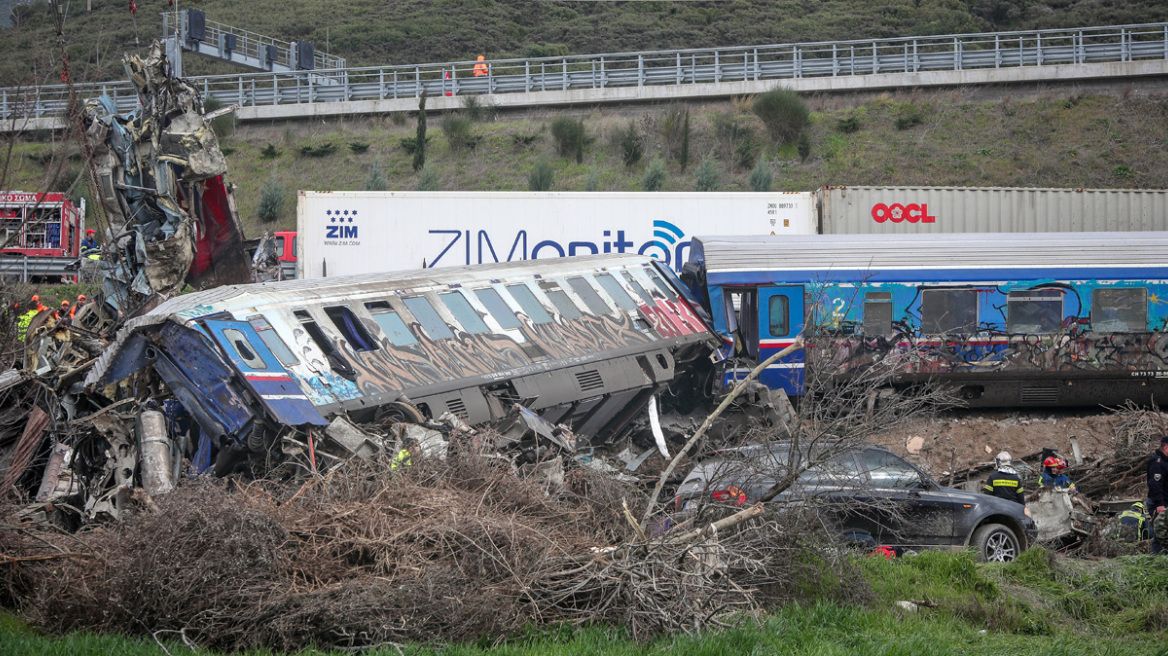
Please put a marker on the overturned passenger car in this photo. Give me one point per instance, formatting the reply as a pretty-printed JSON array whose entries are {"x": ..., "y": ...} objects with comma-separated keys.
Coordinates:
[{"x": 584, "y": 342}]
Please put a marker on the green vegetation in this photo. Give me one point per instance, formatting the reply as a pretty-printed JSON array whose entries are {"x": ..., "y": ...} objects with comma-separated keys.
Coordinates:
[
  {"x": 457, "y": 130},
  {"x": 419, "y": 143},
  {"x": 540, "y": 178},
  {"x": 568, "y": 134},
  {"x": 707, "y": 177},
  {"x": 783, "y": 112},
  {"x": 761, "y": 177},
  {"x": 655, "y": 176},
  {"x": 1040, "y": 604},
  {"x": 271, "y": 201},
  {"x": 632, "y": 145}
]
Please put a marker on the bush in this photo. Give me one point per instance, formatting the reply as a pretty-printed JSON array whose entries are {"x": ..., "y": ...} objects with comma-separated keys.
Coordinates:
[
  {"x": 540, "y": 178},
  {"x": 376, "y": 180},
  {"x": 674, "y": 128},
  {"x": 270, "y": 152},
  {"x": 804, "y": 146},
  {"x": 592, "y": 182},
  {"x": 783, "y": 113},
  {"x": 848, "y": 125},
  {"x": 271, "y": 201},
  {"x": 323, "y": 149},
  {"x": 524, "y": 140},
  {"x": 632, "y": 145},
  {"x": 908, "y": 120},
  {"x": 358, "y": 146},
  {"x": 472, "y": 108},
  {"x": 708, "y": 178},
  {"x": 420, "y": 136},
  {"x": 655, "y": 176},
  {"x": 729, "y": 134},
  {"x": 458, "y": 132},
  {"x": 569, "y": 135},
  {"x": 410, "y": 144},
  {"x": 428, "y": 180},
  {"x": 398, "y": 118},
  {"x": 746, "y": 152},
  {"x": 536, "y": 50},
  {"x": 761, "y": 177}
]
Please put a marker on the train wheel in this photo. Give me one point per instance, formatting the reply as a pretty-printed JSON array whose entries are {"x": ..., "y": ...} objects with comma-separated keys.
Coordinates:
[{"x": 399, "y": 412}]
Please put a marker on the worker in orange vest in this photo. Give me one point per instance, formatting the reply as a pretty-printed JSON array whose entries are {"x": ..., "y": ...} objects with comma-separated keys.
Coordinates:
[
  {"x": 63, "y": 312},
  {"x": 36, "y": 302},
  {"x": 480, "y": 67},
  {"x": 80, "y": 302}
]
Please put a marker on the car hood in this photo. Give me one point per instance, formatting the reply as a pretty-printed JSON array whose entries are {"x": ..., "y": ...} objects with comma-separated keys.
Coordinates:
[{"x": 986, "y": 501}]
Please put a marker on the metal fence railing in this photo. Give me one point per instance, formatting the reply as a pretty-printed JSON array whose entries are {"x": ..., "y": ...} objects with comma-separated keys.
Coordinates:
[{"x": 1121, "y": 43}]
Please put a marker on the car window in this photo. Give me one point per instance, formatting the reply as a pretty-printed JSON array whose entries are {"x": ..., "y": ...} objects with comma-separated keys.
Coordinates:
[
  {"x": 890, "y": 471},
  {"x": 837, "y": 470}
]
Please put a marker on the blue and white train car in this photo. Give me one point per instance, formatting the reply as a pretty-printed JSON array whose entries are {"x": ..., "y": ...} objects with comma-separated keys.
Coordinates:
[
  {"x": 1023, "y": 319},
  {"x": 583, "y": 341}
]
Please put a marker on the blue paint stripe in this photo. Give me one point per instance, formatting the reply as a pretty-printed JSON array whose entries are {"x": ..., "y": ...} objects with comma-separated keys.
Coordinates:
[{"x": 933, "y": 276}]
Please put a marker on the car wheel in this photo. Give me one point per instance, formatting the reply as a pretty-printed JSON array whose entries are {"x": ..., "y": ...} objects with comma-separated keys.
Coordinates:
[{"x": 995, "y": 543}]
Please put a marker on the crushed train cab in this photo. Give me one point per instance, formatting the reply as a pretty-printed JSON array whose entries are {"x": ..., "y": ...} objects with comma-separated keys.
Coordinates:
[{"x": 581, "y": 341}]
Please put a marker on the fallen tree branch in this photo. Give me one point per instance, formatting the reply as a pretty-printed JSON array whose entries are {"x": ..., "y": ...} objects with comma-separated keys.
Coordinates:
[
  {"x": 9, "y": 560},
  {"x": 722, "y": 524}
]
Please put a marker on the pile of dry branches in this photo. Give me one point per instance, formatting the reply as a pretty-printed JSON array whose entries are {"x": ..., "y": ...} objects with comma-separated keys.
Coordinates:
[{"x": 370, "y": 555}]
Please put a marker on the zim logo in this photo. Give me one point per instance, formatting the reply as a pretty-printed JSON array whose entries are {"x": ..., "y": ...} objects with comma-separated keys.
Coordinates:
[
  {"x": 898, "y": 213},
  {"x": 340, "y": 231}
]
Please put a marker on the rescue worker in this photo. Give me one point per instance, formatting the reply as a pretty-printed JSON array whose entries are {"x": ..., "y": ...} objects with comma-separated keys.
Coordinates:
[
  {"x": 480, "y": 67},
  {"x": 1053, "y": 475},
  {"x": 1132, "y": 524},
  {"x": 89, "y": 243},
  {"x": 36, "y": 303},
  {"x": 25, "y": 319},
  {"x": 1005, "y": 482},
  {"x": 402, "y": 459},
  {"x": 63, "y": 312},
  {"x": 1158, "y": 486},
  {"x": 80, "y": 302}
]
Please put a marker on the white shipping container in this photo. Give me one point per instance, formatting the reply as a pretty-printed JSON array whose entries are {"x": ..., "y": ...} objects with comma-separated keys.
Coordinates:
[
  {"x": 356, "y": 232},
  {"x": 906, "y": 210}
]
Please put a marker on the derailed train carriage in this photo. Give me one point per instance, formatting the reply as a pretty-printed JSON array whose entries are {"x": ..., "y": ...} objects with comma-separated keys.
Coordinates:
[
  {"x": 1005, "y": 319},
  {"x": 581, "y": 341}
]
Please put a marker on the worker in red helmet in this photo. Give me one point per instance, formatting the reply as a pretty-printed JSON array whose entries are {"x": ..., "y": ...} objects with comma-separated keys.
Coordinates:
[
  {"x": 1054, "y": 474},
  {"x": 89, "y": 243}
]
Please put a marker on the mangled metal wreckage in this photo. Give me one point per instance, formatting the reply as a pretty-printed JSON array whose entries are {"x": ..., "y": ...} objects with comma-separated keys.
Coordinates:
[{"x": 263, "y": 375}]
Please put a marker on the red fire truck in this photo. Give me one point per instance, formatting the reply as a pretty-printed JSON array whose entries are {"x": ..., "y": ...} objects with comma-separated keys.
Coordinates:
[{"x": 40, "y": 234}]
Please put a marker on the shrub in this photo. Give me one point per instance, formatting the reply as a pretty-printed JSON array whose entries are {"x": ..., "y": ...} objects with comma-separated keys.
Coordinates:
[
  {"x": 746, "y": 152},
  {"x": 848, "y": 125},
  {"x": 358, "y": 146},
  {"x": 708, "y": 178},
  {"x": 655, "y": 176},
  {"x": 376, "y": 180},
  {"x": 471, "y": 108},
  {"x": 1122, "y": 171},
  {"x": 323, "y": 149},
  {"x": 568, "y": 134},
  {"x": 632, "y": 145},
  {"x": 398, "y": 118},
  {"x": 592, "y": 182},
  {"x": 271, "y": 201},
  {"x": 410, "y": 144},
  {"x": 270, "y": 152},
  {"x": 783, "y": 113},
  {"x": 674, "y": 126},
  {"x": 458, "y": 132},
  {"x": 580, "y": 143},
  {"x": 804, "y": 146},
  {"x": 729, "y": 132},
  {"x": 524, "y": 140},
  {"x": 535, "y": 50},
  {"x": 684, "y": 157},
  {"x": 909, "y": 120},
  {"x": 761, "y": 177},
  {"x": 428, "y": 180},
  {"x": 420, "y": 136},
  {"x": 540, "y": 178}
]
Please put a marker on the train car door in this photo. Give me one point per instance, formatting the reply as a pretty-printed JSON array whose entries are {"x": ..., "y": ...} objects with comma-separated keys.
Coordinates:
[
  {"x": 780, "y": 320},
  {"x": 264, "y": 374}
]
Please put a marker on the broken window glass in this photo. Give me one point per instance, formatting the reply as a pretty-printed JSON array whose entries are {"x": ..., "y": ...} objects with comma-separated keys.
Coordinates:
[
  {"x": 426, "y": 315},
  {"x": 559, "y": 298},
  {"x": 877, "y": 313},
  {"x": 587, "y": 294},
  {"x": 462, "y": 310},
  {"x": 1034, "y": 311},
  {"x": 273, "y": 341},
  {"x": 948, "y": 311},
  {"x": 665, "y": 289},
  {"x": 326, "y": 345},
  {"x": 530, "y": 304},
  {"x": 498, "y": 308},
  {"x": 1120, "y": 310},
  {"x": 391, "y": 324},
  {"x": 645, "y": 296},
  {"x": 616, "y": 292},
  {"x": 243, "y": 349},
  {"x": 351, "y": 328}
]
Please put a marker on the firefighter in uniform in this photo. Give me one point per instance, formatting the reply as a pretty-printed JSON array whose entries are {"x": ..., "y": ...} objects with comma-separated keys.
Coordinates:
[
  {"x": 1005, "y": 482},
  {"x": 1158, "y": 487},
  {"x": 1132, "y": 524}
]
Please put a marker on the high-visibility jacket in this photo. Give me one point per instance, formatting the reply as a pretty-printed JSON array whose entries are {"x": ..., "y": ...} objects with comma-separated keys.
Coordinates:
[
  {"x": 1006, "y": 485},
  {"x": 1133, "y": 524},
  {"x": 23, "y": 322},
  {"x": 402, "y": 459},
  {"x": 480, "y": 69}
]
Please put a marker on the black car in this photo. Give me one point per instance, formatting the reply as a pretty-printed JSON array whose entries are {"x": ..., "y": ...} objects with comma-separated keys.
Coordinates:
[{"x": 871, "y": 495}]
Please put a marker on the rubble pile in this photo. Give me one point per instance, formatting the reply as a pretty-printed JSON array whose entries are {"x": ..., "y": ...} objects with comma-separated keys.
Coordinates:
[{"x": 376, "y": 553}]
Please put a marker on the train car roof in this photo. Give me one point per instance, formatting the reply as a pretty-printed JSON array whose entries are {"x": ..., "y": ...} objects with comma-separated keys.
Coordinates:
[
  {"x": 322, "y": 288},
  {"x": 948, "y": 251}
]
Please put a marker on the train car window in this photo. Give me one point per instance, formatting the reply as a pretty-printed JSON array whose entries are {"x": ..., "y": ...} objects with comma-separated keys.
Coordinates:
[
  {"x": 877, "y": 313},
  {"x": 351, "y": 328},
  {"x": 645, "y": 296},
  {"x": 426, "y": 315},
  {"x": 665, "y": 289},
  {"x": 585, "y": 291},
  {"x": 335, "y": 359},
  {"x": 1120, "y": 310},
  {"x": 948, "y": 311},
  {"x": 498, "y": 308},
  {"x": 616, "y": 292},
  {"x": 559, "y": 298},
  {"x": 462, "y": 310},
  {"x": 273, "y": 341},
  {"x": 530, "y": 304},
  {"x": 243, "y": 349},
  {"x": 399, "y": 334},
  {"x": 779, "y": 313},
  {"x": 1034, "y": 311}
]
